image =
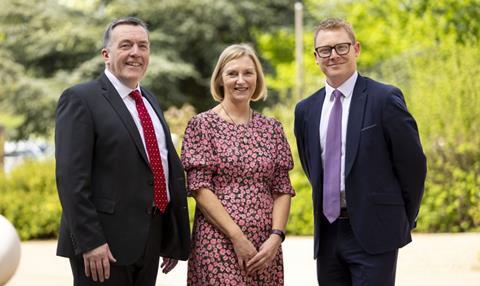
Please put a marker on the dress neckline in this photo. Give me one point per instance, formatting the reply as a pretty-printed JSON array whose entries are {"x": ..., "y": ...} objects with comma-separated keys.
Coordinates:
[{"x": 247, "y": 124}]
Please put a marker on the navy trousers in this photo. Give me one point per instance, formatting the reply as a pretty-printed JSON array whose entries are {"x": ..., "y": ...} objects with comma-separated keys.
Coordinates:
[{"x": 342, "y": 262}]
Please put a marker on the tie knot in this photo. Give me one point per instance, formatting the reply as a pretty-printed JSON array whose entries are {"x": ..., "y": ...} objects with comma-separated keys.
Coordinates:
[
  {"x": 337, "y": 94},
  {"x": 135, "y": 94}
]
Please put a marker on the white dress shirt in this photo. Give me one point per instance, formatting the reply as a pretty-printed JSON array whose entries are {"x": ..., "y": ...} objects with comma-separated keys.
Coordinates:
[
  {"x": 124, "y": 92},
  {"x": 347, "y": 90}
]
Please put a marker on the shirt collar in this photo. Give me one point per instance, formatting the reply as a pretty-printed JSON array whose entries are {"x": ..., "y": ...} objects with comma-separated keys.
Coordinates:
[
  {"x": 122, "y": 89},
  {"x": 346, "y": 88}
]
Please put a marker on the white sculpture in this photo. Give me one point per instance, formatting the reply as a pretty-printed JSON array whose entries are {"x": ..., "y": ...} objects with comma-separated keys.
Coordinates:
[{"x": 9, "y": 250}]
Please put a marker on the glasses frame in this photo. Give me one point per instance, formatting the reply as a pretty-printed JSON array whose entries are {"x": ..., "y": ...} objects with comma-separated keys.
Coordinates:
[{"x": 334, "y": 47}]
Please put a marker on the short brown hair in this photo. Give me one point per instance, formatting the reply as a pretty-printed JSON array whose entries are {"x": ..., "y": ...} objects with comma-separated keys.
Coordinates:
[
  {"x": 334, "y": 24},
  {"x": 234, "y": 52}
]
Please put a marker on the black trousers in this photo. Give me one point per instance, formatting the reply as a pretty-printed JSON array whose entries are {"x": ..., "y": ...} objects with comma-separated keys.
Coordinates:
[
  {"x": 343, "y": 262},
  {"x": 142, "y": 273}
]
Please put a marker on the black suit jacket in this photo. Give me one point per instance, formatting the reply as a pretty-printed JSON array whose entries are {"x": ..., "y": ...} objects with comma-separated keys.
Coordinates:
[
  {"x": 104, "y": 181},
  {"x": 385, "y": 167}
]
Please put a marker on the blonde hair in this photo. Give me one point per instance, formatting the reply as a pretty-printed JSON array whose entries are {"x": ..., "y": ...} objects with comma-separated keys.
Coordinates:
[
  {"x": 330, "y": 24},
  {"x": 234, "y": 52}
]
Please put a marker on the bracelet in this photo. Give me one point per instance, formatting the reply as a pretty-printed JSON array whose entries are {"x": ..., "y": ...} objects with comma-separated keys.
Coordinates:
[{"x": 280, "y": 233}]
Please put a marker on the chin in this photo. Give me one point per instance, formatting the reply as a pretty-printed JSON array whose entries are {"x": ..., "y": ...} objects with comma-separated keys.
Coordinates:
[
  {"x": 134, "y": 77},
  {"x": 241, "y": 98},
  {"x": 336, "y": 74}
]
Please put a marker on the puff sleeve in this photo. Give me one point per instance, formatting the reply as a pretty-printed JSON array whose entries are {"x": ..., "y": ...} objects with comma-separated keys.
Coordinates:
[
  {"x": 197, "y": 155},
  {"x": 283, "y": 162}
]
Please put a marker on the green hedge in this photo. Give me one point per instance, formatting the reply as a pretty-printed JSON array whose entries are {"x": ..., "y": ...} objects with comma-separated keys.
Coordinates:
[
  {"x": 29, "y": 199},
  {"x": 300, "y": 221}
]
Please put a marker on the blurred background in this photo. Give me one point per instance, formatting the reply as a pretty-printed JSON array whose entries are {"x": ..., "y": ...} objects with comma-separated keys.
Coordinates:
[{"x": 429, "y": 48}]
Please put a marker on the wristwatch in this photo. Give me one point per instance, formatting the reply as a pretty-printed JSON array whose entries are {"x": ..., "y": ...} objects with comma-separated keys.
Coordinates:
[{"x": 280, "y": 233}]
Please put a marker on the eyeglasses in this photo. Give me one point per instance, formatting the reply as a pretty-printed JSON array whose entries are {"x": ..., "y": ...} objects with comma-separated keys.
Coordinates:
[{"x": 326, "y": 51}]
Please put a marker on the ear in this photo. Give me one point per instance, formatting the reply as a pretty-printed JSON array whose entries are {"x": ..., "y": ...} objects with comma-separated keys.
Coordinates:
[
  {"x": 317, "y": 58},
  {"x": 356, "y": 48},
  {"x": 105, "y": 55}
]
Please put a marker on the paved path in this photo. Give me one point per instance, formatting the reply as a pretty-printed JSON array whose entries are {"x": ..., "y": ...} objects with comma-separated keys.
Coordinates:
[{"x": 431, "y": 259}]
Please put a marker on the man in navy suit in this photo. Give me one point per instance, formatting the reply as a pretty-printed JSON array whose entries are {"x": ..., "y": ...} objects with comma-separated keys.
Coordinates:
[
  {"x": 360, "y": 149},
  {"x": 114, "y": 153}
]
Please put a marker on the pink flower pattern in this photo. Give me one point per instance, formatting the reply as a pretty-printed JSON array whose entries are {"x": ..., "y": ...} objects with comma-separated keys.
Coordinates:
[{"x": 243, "y": 165}]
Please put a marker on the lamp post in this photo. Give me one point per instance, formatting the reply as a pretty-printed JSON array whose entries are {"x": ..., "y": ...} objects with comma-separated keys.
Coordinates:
[{"x": 299, "y": 49}]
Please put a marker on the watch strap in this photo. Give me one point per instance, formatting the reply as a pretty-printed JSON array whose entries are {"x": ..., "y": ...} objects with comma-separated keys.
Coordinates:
[{"x": 280, "y": 233}]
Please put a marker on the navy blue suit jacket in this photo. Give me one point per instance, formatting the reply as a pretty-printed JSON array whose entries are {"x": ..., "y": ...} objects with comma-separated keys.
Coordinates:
[{"x": 385, "y": 167}]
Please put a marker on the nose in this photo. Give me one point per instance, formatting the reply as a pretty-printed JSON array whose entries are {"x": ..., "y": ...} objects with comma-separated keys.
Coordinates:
[
  {"x": 241, "y": 78},
  {"x": 334, "y": 54},
  {"x": 134, "y": 50}
]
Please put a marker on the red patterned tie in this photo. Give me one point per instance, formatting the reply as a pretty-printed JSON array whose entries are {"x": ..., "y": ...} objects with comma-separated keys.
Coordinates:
[{"x": 159, "y": 187}]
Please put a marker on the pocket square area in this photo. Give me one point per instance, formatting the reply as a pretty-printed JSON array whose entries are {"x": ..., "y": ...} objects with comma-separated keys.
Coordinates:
[{"x": 368, "y": 127}]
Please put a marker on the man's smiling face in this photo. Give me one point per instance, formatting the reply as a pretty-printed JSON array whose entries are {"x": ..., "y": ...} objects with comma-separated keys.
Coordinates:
[
  {"x": 337, "y": 68},
  {"x": 128, "y": 53}
]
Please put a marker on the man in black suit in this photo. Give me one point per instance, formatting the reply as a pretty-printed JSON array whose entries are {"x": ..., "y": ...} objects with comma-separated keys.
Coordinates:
[
  {"x": 360, "y": 149},
  {"x": 119, "y": 179}
]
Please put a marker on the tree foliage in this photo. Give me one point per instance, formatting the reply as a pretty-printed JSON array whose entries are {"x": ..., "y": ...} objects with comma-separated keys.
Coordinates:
[
  {"x": 51, "y": 44},
  {"x": 38, "y": 38}
]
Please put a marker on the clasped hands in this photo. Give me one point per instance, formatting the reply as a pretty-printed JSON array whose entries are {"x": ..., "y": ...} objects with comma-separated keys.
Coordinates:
[
  {"x": 97, "y": 263},
  {"x": 251, "y": 260}
]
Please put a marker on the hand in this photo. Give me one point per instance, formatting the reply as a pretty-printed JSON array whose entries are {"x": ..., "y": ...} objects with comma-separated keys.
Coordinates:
[
  {"x": 168, "y": 264},
  {"x": 265, "y": 255},
  {"x": 244, "y": 250},
  {"x": 97, "y": 263}
]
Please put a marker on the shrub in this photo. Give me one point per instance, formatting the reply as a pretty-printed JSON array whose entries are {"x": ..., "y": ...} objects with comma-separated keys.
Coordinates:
[
  {"x": 29, "y": 199},
  {"x": 300, "y": 221},
  {"x": 445, "y": 100}
]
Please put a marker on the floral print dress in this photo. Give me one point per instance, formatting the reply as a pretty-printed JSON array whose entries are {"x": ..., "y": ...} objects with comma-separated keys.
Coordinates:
[{"x": 243, "y": 165}]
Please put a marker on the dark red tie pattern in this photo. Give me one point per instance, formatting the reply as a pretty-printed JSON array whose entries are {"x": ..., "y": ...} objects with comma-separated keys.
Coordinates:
[{"x": 159, "y": 187}]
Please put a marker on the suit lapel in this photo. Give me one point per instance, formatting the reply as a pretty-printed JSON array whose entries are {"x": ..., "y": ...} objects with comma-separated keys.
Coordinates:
[
  {"x": 314, "y": 114},
  {"x": 156, "y": 106},
  {"x": 355, "y": 120},
  {"x": 118, "y": 105}
]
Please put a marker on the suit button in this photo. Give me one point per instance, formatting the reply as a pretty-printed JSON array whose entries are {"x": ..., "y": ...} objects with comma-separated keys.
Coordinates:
[
  {"x": 149, "y": 210},
  {"x": 150, "y": 182}
]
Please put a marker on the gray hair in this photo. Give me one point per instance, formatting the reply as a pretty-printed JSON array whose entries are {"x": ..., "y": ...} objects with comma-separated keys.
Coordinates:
[{"x": 122, "y": 21}]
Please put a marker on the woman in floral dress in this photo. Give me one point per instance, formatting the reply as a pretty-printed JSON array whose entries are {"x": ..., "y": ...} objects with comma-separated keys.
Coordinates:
[{"x": 237, "y": 164}]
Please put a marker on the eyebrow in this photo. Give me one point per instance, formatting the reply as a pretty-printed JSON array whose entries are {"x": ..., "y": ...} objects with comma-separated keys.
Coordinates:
[
  {"x": 331, "y": 46},
  {"x": 130, "y": 41},
  {"x": 234, "y": 69}
]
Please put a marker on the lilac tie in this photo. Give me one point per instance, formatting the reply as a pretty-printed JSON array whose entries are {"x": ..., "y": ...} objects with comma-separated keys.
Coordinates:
[{"x": 333, "y": 154}]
